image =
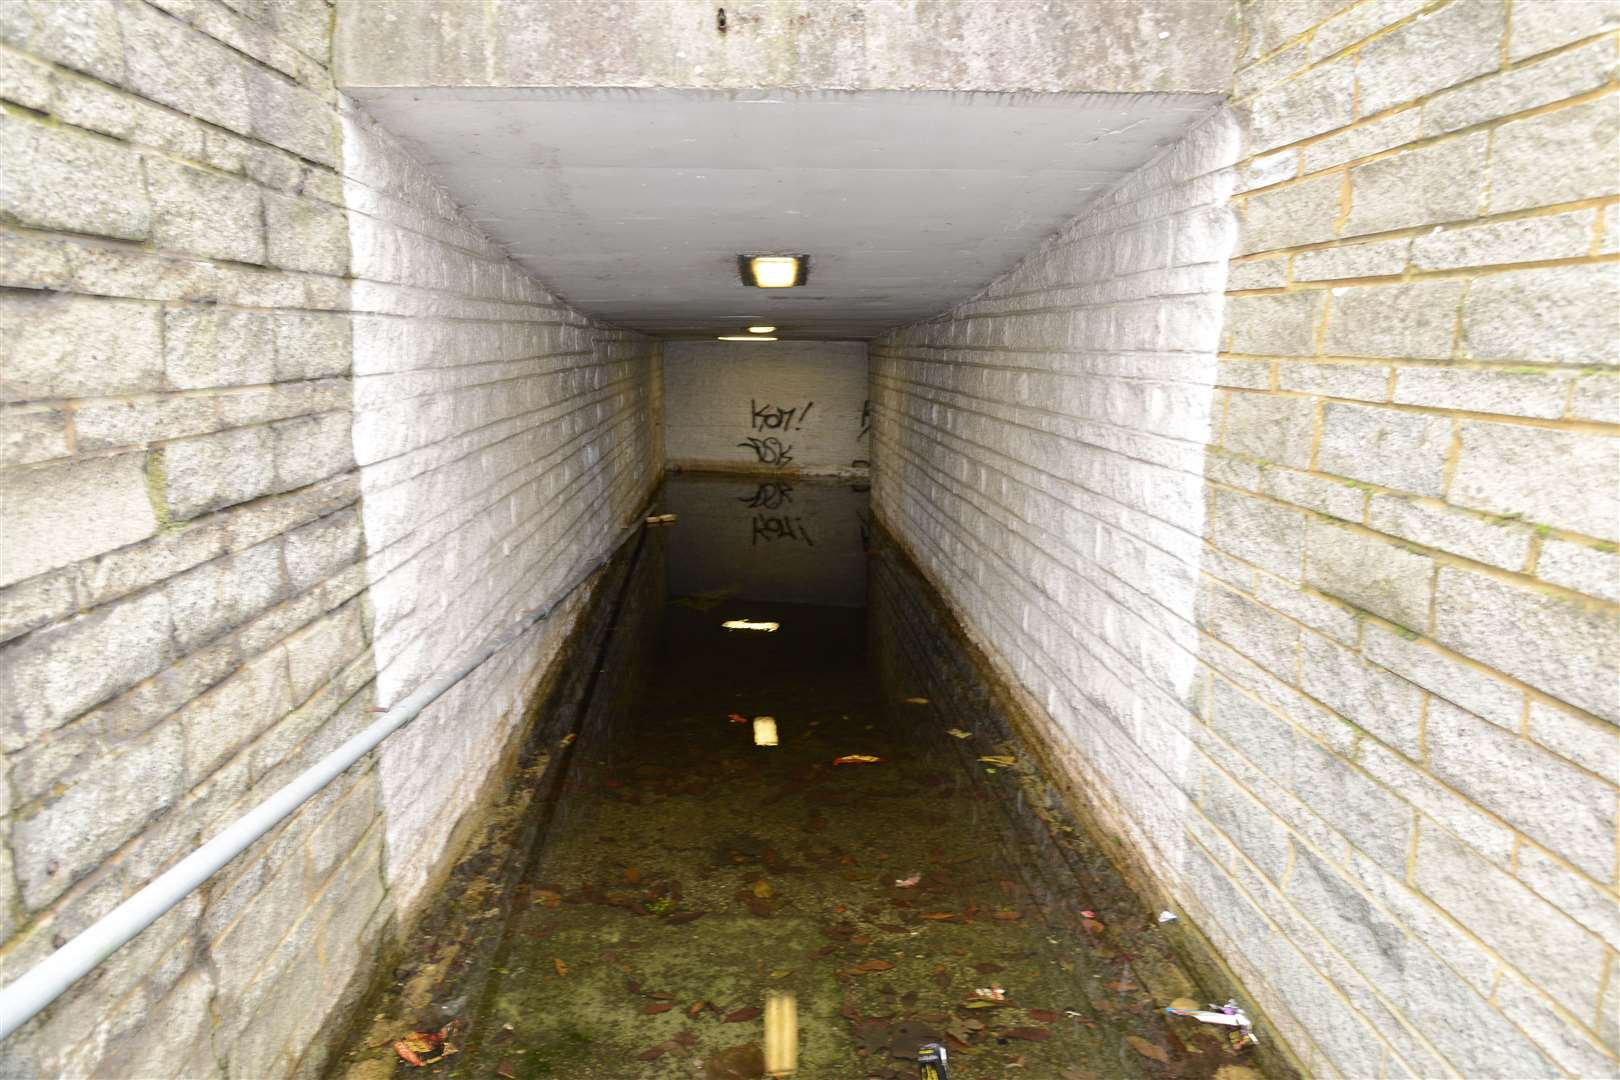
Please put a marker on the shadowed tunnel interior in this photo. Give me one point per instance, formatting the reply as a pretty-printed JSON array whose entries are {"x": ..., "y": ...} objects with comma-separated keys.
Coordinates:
[{"x": 1187, "y": 460}]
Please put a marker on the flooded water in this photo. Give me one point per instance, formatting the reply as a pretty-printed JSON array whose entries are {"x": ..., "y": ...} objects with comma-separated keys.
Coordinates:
[{"x": 648, "y": 883}]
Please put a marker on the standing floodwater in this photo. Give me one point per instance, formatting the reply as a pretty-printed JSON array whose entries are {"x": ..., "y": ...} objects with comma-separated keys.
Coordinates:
[{"x": 682, "y": 872}]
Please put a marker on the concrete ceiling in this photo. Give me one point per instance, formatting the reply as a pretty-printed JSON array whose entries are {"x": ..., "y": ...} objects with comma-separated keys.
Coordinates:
[{"x": 634, "y": 204}]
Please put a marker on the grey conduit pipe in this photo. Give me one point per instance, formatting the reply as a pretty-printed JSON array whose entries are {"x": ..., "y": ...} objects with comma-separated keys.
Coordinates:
[{"x": 30, "y": 993}]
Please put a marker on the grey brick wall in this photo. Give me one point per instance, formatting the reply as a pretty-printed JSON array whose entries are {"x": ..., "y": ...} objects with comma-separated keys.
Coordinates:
[
  {"x": 1317, "y": 594},
  {"x": 268, "y": 404},
  {"x": 797, "y": 406}
]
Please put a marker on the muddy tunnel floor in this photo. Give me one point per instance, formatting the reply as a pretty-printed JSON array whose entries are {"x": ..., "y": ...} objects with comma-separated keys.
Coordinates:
[{"x": 935, "y": 894}]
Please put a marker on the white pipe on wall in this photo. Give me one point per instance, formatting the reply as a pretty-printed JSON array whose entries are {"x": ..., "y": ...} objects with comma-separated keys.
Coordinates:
[{"x": 30, "y": 993}]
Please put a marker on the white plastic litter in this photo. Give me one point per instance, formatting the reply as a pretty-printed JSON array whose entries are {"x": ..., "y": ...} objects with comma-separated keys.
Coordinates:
[{"x": 1167, "y": 916}]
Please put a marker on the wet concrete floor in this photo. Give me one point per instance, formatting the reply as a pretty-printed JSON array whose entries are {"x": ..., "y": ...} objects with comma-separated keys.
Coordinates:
[{"x": 685, "y": 872}]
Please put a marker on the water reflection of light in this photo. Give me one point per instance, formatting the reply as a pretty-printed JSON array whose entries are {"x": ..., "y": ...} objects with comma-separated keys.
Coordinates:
[{"x": 748, "y": 624}]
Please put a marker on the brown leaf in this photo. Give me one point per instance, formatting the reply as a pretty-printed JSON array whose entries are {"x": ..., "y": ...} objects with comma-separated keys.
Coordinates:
[
  {"x": 1007, "y": 916},
  {"x": 684, "y": 917},
  {"x": 632, "y": 876},
  {"x": 941, "y": 916},
  {"x": 661, "y": 1007},
  {"x": 653, "y": 1053},
  {"x": 762, "y": 889},
  {"x": 693, "y": 1009},
  {"x": 742, "y": 1015},
  {"x": 871, "y": 965},
  {"x": 1147, "y": 1049},
  {"x": 562, "y": 968},
  {"x": 1028, "y": 1034},
  {"x": 506, "y": 1069},
  {"x": 1045, "y": 1016},
  {"x": 988, "y": 969}
]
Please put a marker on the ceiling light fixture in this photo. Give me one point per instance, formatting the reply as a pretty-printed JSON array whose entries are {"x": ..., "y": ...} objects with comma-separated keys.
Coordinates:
[
  {"x": 761, "y": 329},
  {"x": 743, "y": 337},
  {"x": 774, "y": 271}
]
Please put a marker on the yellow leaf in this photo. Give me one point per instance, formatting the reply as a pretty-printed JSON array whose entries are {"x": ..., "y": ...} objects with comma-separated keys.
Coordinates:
[
  {"x": 562, "y": 968},
  {"x": 762, "y": 889}
]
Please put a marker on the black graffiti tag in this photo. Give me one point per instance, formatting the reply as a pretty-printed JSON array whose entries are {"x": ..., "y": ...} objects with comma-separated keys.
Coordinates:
[
  {"x": 768, "y": 417},
  {"x": 866, "y": 419},
  {"x": 769, "y": 450},
  {"x": 770, "y": 495}
]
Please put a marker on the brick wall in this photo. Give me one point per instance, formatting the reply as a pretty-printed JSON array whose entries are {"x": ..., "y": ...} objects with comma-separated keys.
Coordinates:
[
  {"x": 794, "y": 405},
  {"x": 1345, "y": 677},
  {"x": 218, "y": 286},
  {"x": 503, "y": 442}
]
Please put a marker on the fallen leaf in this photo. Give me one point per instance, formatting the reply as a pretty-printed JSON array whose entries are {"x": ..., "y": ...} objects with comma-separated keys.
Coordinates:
[
  {"x": 684, "y": 917},
  {"x": 653, "y": 1053},
  {"x": 1028, "y": 1034},
  {"x": 693, "y": 1009},
  {"x": 632, "y": 876},
  {"x": 988, "y": 968},
  {"x": 506, "y": 1069},
  {"x": 1045, "y": 1016},
  {"x": 762, "y": 889},
  {"x": 1006, "y": 760},
  {"x": 748, "y": 1012},
  {"x": 1007, "y": 916},
  {"x": 856, "y": 759},
  {"x": 562, "y": 968},
  {"x": 781, "y": 973},
  {"x": 1147, "y": 1049},
  {"x": 941, "y": 916},
  {"x": 547, "y": 897},
  {"x": 959, "y": 733},
  {"x": 871, "y": 965},
  {"x": 916, "y": 701},
  {"x": 661, "y": 1007}
]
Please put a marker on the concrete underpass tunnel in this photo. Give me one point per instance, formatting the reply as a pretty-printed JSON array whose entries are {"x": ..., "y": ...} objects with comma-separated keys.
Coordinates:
[{"x": 1221, "y": 400}]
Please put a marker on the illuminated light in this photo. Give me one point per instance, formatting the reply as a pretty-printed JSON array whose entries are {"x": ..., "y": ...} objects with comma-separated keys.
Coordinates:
[
  {"x": 743, "y": 337},
  {"x": 764, "y": 731},
  {"x": 746, "y": 624},
  {"x": 781, "y": 1034},
  {"x": 774, "y": 271},
  {"x": 762, "y": 329}
]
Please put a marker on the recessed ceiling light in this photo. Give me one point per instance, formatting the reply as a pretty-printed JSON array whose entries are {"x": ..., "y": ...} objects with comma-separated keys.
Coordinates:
[
  {"x": 743, "y": 337},
  {"x": 761, "y": 329},
  {"x": 774, "y": 271}
]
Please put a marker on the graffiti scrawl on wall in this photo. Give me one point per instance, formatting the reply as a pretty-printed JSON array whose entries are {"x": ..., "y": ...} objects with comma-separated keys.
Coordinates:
[
  {"x": 768, "y": 417},
  {"x": 771, "y": 495},
  {"x": 769, "y": 450}
]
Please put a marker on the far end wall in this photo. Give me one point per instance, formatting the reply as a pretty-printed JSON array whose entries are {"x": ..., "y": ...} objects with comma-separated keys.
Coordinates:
[{"x": 796, "y": 406}]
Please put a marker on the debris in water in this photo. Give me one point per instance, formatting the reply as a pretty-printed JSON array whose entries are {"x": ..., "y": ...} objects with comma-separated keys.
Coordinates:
[
  {"x": 1167, "y": 916},
  {"x": 764, "y": 731},
  {"x": 736, "y": 719},
  {"x": 1006, "y": 760},
  {"x": 959, "y": 733},
  {"x": 907, "y": 882},
  {"x": 661, "y": 519},
  {"x": 413, "y": 1046},
  {"x": 993, "y": 992},
  {"x": 781, "y": 1034},
  {"x": 1147, "y": 1049},
  {"x": 1088, "y": 914},
  {"x": 748, "y": 624},
  {"x": 931, "y": 1056},
  {"x": 568, "y": 739},
  {"x": 1230, "y": 1015},
  {"x": 916, "y": 701},
  {"x": 856, "y": 759}
]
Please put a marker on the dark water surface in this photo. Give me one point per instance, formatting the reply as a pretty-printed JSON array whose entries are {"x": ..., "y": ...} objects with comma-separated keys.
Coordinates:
[{"x": 636, "y": 898}]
